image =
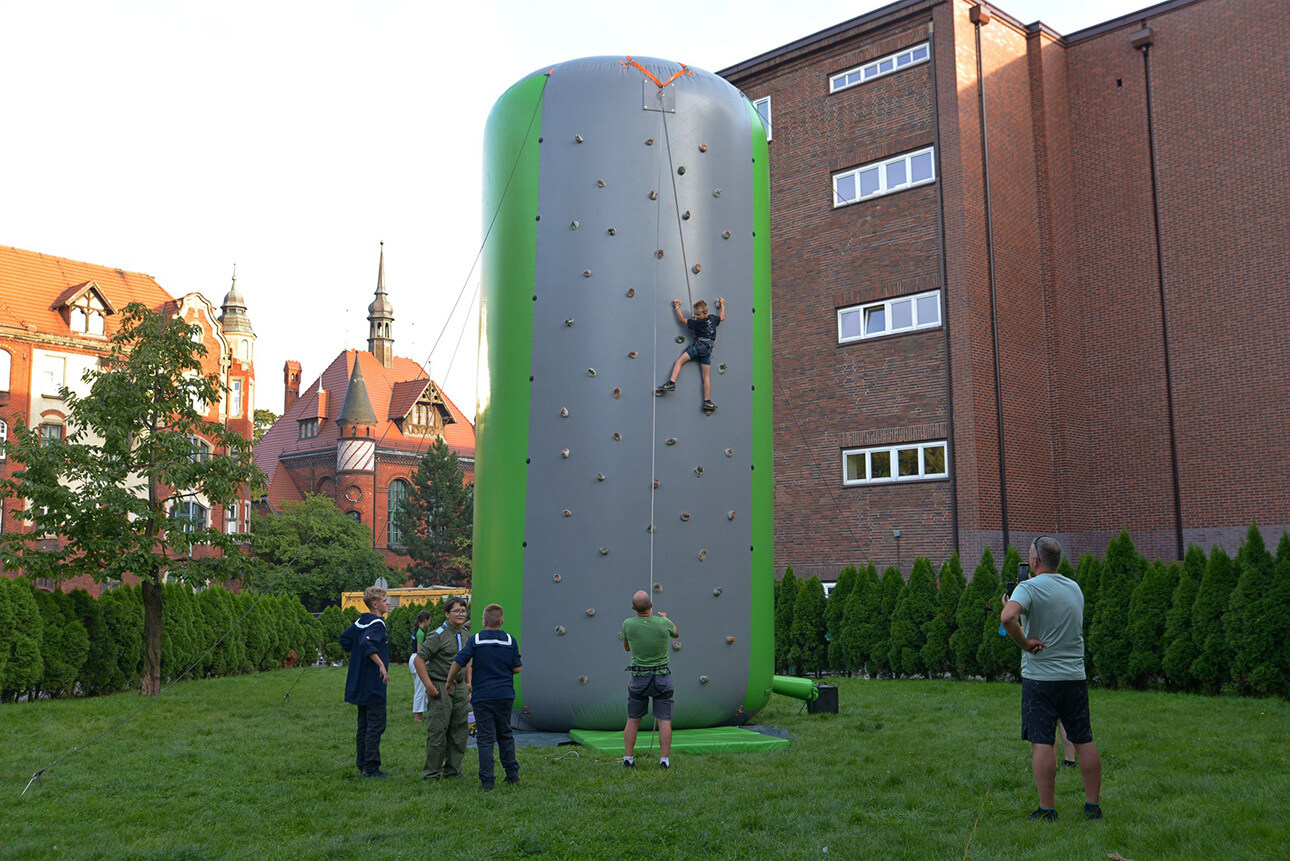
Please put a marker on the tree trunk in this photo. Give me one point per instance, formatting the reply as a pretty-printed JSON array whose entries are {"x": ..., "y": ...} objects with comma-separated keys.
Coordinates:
[{"x": 150, "y": 684}]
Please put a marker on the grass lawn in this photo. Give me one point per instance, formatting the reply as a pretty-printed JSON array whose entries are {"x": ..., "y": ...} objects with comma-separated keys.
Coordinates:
[{"x": 910, "y": 769}]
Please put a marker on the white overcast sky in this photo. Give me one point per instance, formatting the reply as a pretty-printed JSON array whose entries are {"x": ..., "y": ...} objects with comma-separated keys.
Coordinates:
[{"x": 179, "y": 138}]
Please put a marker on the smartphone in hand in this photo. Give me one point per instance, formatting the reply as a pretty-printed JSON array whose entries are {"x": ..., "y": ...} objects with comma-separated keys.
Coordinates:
[{"x": 1023, "y": 571}]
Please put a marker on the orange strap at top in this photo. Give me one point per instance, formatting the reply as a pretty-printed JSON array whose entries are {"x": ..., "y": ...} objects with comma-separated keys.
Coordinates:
[{"x": 647, "y": 73}]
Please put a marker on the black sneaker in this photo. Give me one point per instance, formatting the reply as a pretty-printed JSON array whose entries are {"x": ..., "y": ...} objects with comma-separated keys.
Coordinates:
[
  {"x": 513, "y": 780},
  {"x": 664, "y": 765},
  {"x": 669, "y": 386},
  {"x": 627, "y": 763},
  {"x": 1069, "y": 763},
  {"x": 1044, "y": 815},
  {"x": 1092, "y": 811},
  {"x": 485, "y": 787},
  {"x": 377, "y": 773},
  {"x": 709, "y": 406}
]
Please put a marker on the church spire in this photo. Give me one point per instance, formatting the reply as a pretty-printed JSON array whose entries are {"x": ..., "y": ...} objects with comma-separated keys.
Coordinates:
[{"x": 380, "y": 317}]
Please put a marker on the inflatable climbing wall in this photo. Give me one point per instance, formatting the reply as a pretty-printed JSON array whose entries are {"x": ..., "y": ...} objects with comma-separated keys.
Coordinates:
[{"x": 613, "y": 186}]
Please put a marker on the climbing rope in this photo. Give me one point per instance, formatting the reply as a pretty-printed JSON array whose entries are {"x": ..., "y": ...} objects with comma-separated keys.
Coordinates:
[{"x": 676, "y": 204}]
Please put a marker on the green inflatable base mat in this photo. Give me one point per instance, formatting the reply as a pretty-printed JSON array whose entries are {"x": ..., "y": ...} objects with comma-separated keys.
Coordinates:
[{"x": 715, "y": 739}]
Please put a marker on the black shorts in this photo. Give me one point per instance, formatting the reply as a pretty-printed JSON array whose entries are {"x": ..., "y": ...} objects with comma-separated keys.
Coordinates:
[
  {"x": 646, "y": 687},
  {"x": 1043, "y": 703}
]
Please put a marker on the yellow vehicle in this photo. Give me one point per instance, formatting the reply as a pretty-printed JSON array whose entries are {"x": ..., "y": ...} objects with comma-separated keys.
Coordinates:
[{"x": 409, "y": 595}]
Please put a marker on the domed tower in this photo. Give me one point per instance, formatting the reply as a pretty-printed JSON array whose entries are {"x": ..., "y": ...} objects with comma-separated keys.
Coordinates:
[
  {"x": 237, "y": 325},
  {"x": 380, "y": 317}
]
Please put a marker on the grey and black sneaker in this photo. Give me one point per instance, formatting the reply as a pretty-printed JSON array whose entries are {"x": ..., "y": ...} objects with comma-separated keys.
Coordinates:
[
  {"x": 709, "y": 406},
  {"x": 1044, "y": 815},
  {"x": 627, "y": 763},
  {"x": 1092, "y": 811},
  {"x": 669, "y": 386}
]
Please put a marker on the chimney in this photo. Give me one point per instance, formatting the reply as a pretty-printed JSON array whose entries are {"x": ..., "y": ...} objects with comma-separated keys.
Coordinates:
[{"x": 291, "y": 382}]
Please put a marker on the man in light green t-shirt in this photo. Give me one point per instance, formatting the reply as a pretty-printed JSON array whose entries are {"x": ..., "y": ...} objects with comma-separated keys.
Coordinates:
[
  {"x": 1045, "y": 617},
  {"x": 646, "y": 636}
]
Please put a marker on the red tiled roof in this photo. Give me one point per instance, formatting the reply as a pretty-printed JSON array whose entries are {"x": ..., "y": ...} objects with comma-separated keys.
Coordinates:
[
  {"x": 32, "y": 285},
  {"x": 386, "y": 388},
  {"x": 405, "y": 395}
]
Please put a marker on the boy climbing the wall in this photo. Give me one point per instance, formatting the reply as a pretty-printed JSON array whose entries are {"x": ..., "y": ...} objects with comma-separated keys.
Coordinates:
[{"x": 705, "y": 338}]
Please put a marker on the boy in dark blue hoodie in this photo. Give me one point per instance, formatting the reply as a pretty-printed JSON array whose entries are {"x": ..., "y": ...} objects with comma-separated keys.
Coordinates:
[
  {"x": 495, "y": 657},
  {"x": 369, "y": 660}
]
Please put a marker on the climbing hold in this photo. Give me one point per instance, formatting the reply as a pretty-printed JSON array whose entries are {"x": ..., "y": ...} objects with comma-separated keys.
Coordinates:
[
  {"x": 582, "y": 680},
  {"x": 730, "y": 641},
  {"x": 658, "y": 587},
  {"x": 703, "y": 555},
  {"x": 600, "y": 476},
  {"x": 649, "y": 142},
  {"x": 685, "y": 215},
  {"x": 591, "y": 611},
  {"x": 631, "y": 292},
  {"x": 730, "y": 515},
  {"x": 716, "y": 593},
  {"x": 657, "y": 482},
  {"x": 568, "y": 321},
  {"x": 578, "y": 138},
  {"x": 703, "y": 680},
  {"x": 726, "y": 235},
  {"x": 659, "y": 254},
  {"x": 632, "y": 354},
  {"x": 703, "y": 147},
  {"x": 586, "y": 273},
  {"x": 698, "y": 472},
  {"x": 671, "y": 440},
  {"x": 650, "y": 529},
  {"x": 564, "y": 412},
  {"x": 618, "y": 437},
  {"x": 676, "y": 645},
  {"x": 573, "y": 225},
  {"x": 613, "y": 231},
  {"x": 600, "y": 183},
  {"x": 697, "y": 269},
  {"x": 567, "y": 513},
  {"x": 685, "y": 515},
  {"x": 653, "y": 195},
  {"x": 591, "y": 372},
  {"x": 556, "y": 577},
  {"x": 681, "y": 170},
  {"x": 730, "y": 452},
  {"x": 559, "y": 630},
  {"x": 680, "y": 339},
  {"x": 716, "y": 192},
  {"x": 721, "y": 368},
  {"x": 618, "y": 393},
  {"x": 604, "y": 551},
  {"x": 564, "y": 452}
]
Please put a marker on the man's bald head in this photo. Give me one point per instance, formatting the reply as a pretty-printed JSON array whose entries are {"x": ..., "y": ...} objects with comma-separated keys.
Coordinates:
[{"x": 641, "y": 602}]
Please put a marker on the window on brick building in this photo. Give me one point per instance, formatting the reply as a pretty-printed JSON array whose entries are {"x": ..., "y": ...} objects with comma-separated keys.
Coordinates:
[
  {"x": 50, "y": 431},
  {"x": 6, "y": 369},
  {"x": 201, "y": 449},
  {"x": 906, "y": 59},
  {"x": 4, "y": 437},
  {"x": 190, "y": 515},
  {"x": 398, "y": 493},
  {"x": 889, "y": 317},
  {"x": 884, "y": 177},
  {"x": 763, "y": 108},
  {"x": 53, "y": 374},
  {"x": 309, "y": 429},
  {"x": 235, "y": 398},
  {"x": 883, "y": 464}
]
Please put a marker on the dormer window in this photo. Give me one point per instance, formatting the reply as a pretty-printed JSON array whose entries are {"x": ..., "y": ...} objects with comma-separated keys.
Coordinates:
[
  {"x": 428, "y": 414},
  {"x": 86, "y": 310},
  {"x": 309, "y": 429}
]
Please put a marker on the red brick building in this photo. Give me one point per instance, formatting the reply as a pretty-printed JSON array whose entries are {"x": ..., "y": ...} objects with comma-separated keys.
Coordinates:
[
  {"x": 1018, "y": 278},
  {"x": 358, "y": 432},
  {"x": 56, "y": 316}
]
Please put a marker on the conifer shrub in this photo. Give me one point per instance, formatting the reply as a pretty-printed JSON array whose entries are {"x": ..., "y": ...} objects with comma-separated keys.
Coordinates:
[
  {"x": 1109, "y": 643},
  {"x": 1148, "y": 610},
  {"x": 63, "y": 643},
  {"x": 1179, "y": 645},
  {"x": 25, "y": 666},
  {"x": 1212, "y": 667},
  {"x": 859, "y": 618},
  {"x": 937, "y": 632},
  {"x": 1088, "y": 574},
  {"x": 915, "y": 608},
  {"x": 123, "y": 613},
  {"x": 889, "y": 593},
  {"x": 1252, "y": 608},
  {"x": 970, "y": 616},
  {"x": 784, "y": 606},
  {"x": 834, "y": 610},
  {"x": 6, "y": 627},
  {"x": 181, "y": 640},
  {"x": 809, "y": 627},
  {"x": 999, "y": 657},
  {"x": 100, "y": 669}
]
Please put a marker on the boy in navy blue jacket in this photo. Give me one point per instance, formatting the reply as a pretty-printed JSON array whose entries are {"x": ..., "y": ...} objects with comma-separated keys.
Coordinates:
[
  {"x": 495, "y": 655},
  {"x": 369, "y": 660}
]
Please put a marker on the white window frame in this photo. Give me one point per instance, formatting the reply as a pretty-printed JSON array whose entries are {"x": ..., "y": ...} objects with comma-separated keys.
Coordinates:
[
  {"x": 888, "y": 329},
  {"x": 53, "y": 375},
  {"x": 4, "y": 437},
  {"x": 185, "y": 513},
  {"x": 872, "y": 70},
  {"x": 891, "y": 451},
  {"x": 882, "y": 168},
  {"x": 235, "y": 397},
  {"x": 6, "y": 370},
  {"x": 765, "y": 115}
]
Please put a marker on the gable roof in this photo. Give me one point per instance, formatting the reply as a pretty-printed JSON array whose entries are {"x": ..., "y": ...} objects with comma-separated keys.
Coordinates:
[
  {"x": 34, "y": 286},
  {"x": 387, "y": 389}
]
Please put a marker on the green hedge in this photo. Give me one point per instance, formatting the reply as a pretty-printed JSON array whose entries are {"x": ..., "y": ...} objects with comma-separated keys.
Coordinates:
[
  {"x": 59, "y": 644},
  {"x": 1206, "y": 624}
]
